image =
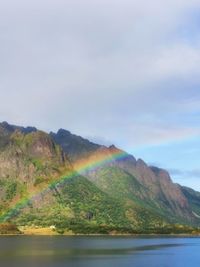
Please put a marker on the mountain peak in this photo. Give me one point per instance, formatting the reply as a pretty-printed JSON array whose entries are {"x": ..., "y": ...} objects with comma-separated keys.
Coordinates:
[
  {"x": 63, "y": 132},
  {"x": 112, "y": 147},
  {"x": 141, "y": 163},
  {"x": 76, "y": 147},
  {"x": 11, "y": 128}
]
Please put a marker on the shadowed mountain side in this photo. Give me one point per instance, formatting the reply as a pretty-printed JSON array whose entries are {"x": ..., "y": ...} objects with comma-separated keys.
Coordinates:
[{"x": 73, "y": 145}]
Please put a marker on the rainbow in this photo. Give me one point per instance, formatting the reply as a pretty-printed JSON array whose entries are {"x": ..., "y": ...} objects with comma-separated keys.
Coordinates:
[{"x": 81, "y": 167}]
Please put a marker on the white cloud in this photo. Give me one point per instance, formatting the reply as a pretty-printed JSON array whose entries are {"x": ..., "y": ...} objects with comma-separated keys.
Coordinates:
[{"x": 101, "y": 68}]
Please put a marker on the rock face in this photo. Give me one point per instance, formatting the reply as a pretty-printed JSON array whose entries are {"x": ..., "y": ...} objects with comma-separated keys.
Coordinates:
[
  {"x": 193, "y": 198},
  {"x": 26, "y": 155},
  {"x": 74, "y": 146},
  {"x": 161, "y": 188},
  {"x": 29, "y": 159},
  {"x": 115, "y": 192},
  {"x": 151, "y": 185}
]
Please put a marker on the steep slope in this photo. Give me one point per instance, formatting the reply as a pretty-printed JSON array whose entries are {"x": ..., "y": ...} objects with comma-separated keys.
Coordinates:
[
  {"x": 74, "y": 146},
  {"x": 6, "y": 130},
  {"x": 161, "y": 188},
  {"x": 193, "y": 198},
  {"x": 28, "y": 161},
  {"x": 39, "y": 186},
  {"x": 91, "y": 188},
  {"x": 134, "y": 179}
]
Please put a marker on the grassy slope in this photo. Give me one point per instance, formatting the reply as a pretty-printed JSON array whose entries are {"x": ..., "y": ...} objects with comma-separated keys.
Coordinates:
[
  {"x": 80, "y": 206},
  {"x": 193, "y": 198},
  {"x": 120, "y": 184}
]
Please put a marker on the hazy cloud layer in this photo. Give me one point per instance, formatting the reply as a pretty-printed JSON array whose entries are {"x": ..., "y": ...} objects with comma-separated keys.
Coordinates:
[
  {"x": 126, "y": 71},
  {"x": 185, "y": 173}
]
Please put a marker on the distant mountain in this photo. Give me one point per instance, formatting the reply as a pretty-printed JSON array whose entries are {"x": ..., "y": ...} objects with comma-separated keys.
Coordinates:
[{"x": 65, "y": 180}]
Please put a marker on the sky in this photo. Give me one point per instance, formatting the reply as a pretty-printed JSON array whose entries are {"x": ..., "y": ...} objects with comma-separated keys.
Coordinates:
[{"x": 123, "y": 72}]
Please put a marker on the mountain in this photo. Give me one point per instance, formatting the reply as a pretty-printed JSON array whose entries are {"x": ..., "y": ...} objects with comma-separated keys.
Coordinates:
[
  {"x": 73, "y": 145},
  {"x": 131, "y": 178},
  {"x": 128, "y": 177},
  {"x": 67, "y": 181},
  {"x": 28, "y": 160},
  {"x": 193, "y": 198}
]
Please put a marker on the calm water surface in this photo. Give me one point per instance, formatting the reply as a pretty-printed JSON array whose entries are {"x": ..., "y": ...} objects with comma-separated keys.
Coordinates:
[{"x": 61, "y": 251}]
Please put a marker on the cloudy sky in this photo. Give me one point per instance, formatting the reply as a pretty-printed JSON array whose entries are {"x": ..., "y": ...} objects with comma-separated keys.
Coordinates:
[{"x": 115, "y": 71}]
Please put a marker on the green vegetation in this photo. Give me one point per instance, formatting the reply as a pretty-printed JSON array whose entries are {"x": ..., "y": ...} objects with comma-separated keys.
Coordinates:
[
  {"x": 39, "y": 180},
  {"x": 78, "y": 205},
  {"x": 110, "y": 199},
  {"x": 11, "y": 190}
]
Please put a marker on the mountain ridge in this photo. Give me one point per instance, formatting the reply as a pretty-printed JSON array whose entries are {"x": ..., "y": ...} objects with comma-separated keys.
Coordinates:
[{"x": 32, "y": 164}]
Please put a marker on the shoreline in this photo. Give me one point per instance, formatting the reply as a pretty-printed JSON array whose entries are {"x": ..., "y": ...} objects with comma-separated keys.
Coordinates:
[
  {"x": 103, "y": 235},
  {"x": 49, "y": 231}
]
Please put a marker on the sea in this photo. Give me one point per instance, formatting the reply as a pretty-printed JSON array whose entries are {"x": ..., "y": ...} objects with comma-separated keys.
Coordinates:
[{"x": 99, "y": 251}]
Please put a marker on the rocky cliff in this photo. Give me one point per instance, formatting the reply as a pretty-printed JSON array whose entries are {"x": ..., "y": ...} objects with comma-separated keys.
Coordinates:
[{"x": 41, "y": 183}]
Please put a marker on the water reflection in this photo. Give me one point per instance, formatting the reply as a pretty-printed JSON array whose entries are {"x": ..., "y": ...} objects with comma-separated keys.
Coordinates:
[{"x": 97, "y": 251}]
